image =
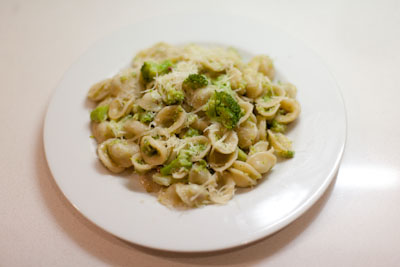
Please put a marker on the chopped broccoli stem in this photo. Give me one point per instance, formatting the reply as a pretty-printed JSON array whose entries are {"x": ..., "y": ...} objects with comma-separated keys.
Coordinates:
[
  {"x": 182, "y": 161},
  {"x": 99, "y": 114},
  {"x": 242, "y": 156},
  {"x": 151, "y": 69},
  {"x": 195, "y": 81},
  {"x": 222, "y": 107},
  {"x": 286, "y": 154}
]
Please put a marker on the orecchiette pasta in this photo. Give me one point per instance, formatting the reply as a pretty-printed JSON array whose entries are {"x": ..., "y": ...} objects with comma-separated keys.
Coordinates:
[{"x": 195, "y": 122}]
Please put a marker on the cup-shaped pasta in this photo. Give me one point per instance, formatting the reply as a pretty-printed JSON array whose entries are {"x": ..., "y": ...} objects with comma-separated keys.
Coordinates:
[
  {"x": 139, "y": 165},
  {"x": 277, "y": 90},
  {"x": 99, "y": 90},
  {"x": 200, "y": 97},
  {"x": 135, "y": 128},
  {"x": 151, "y": 101},
  {"x": 247, "y": 133},
  {"x": 263, "y": 64},
  {"x": 268, "y": 108},
  {"x": 199, "y": 174},
  {"x": 243, "y": 174},
  {"x": 291, "y": 110},
  {"x": 247, "y": 169},
  {"x": 121, "y": 151},
  {"x": 290, "y": 89},
  {"x": 221, "y": 140},
  {"x": 104, "y": 156},
  {"x": 237, "y": 81},
  {"x": 172, "y": 118},
  {"x": 192, "y": 195},
  {"x": 102, "y": 131},
  {"x": 255, "y": 83},
  {"x": 199, "y": 146},
  {"x": 260, "y": 146},
  {"x": 119, "y": 108},
  {"x": 247, "y": 109},
  {"x": 126, "y": 83},
  {"x": 225, "y": 192},
  {"x": 220, "y": 161},
  {"x": 154, "y": 152},
  {"x": 281, "y": 144},
  {"x": 262, "y": 128},
  {"x": 262, "y": 161},
  {"x": 201, "y": 123},
  {"x": 240, "y": 178},
  {"x": 180, "y": 174}
]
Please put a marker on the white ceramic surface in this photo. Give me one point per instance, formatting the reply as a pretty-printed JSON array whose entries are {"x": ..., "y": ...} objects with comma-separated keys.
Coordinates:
[{"x": 121, "y": 207}]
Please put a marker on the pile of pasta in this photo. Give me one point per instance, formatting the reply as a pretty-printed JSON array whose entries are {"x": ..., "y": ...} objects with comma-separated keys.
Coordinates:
[{"x": 194, "y": 122}]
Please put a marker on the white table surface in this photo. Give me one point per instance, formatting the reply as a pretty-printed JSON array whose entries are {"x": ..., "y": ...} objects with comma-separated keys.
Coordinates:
[{"x": 355, "y": 223}]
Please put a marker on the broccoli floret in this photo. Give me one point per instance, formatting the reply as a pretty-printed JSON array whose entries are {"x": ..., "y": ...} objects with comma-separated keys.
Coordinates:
[
  {"x": 173, "y": 96},
  {"x": 147, "y": 116},
  {"x": 286, "y": 154},
  {"x": 223, "y": 107},
  {"x": 242, "y": 156},
  {"x": 277, "y": 127},
  {"x": 191, "y": 132},
  {"x": 182, "y": 160},
  {"x": 151, "y": 69},
  {"x": 99, "y": 114},
  {"x": 195, "y": 81}
]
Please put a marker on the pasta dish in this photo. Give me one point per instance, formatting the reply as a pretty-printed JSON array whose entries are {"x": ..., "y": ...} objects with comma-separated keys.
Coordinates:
[{"x": 193, "y": 122}]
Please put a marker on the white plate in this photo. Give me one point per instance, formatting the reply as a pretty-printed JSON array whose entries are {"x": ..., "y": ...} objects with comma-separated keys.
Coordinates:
[{"x": 121, "y": 206}]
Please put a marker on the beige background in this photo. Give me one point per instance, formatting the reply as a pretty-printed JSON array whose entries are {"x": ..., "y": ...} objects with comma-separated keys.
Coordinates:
[{"x": 356, "y": 223}]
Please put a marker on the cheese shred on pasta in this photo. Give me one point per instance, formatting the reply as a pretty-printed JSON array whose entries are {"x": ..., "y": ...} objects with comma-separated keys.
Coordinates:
[{"x": 198, "y": 122}]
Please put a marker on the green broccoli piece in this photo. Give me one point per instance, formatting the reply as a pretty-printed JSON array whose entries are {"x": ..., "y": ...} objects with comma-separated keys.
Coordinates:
[
  {"x": 151, "y": 69},
  {"x": 147, "y": 116},
  {"x": 99, "y": 114},
  {"x": 173, "y": 96},
  {"x": 223, "y": 107},
  {"x": 182, "y": 160},
  {"x": 195, "y": 81},
  {"x": 242, "y": 156},
  {"x": 191, "y": 132},
  {"x": 277, "y": 127},
  {"x": 286, "y": 154}
]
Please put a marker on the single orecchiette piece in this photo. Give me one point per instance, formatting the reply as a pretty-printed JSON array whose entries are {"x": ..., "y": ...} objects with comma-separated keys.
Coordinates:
[
  {"x": 226, "y": 191},
  {"x": 219, "y": 161},
  {"x": 264, "y": 65},
  {"x": 172, "y": 118},
  {"x": 247, "y": 109},
  {"x": 243, "y": 174},
  {"x": 102, "y": 131},
  {"x": 223, "y": 141},
  {"x": 200, "y": 175},
  {"x": 199, "y": 145},
  {"x": 119, "y": 108},
  {"x": 247, "y": 133},
  {"x": 260, "y": 146},
  {"x": 268, "y": 107},
  {"x": 281, "y": 144},
  {"x": 139, "y": 165},
  {"x": 201, "y": 96},
  {"x": 135, "y": 128},
  {"x": 99, "y": 90},
  {"x": 105, "y": 158},
  {"x": 121, "y": 151},
  {"x": 154, "y": 152},
  {"x": 290, "y": 89},
  {"x": 262, "y": 161},
  {"x": 262, "y": 128},
  {"x": 291, "y": 110},
  {"x": 256, "y": 83},
  {"x": 151, "y": 101}
]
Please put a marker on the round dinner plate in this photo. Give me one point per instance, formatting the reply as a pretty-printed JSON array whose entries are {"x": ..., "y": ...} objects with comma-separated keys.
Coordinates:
[{"x": 118, "y": 204}]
